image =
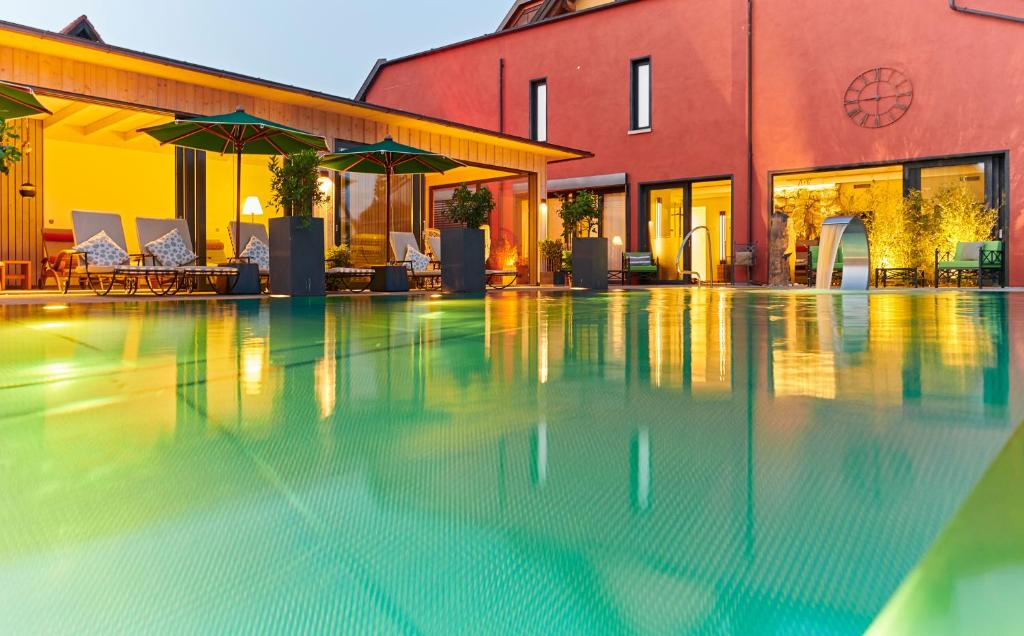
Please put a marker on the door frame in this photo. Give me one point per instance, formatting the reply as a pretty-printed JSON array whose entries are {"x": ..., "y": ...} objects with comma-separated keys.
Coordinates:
[{"x": 643, "y": 242}]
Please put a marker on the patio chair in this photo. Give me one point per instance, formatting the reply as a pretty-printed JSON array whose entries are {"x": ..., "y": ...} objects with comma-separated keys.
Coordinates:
[
  {"x": 643, "y": 265},
  {"x": 188, "y": 274},
  {"x": 977, "y": 258},
  {"x": 812, "y": 265},
  {"x": 492, "y": 277},
  {"x": 58, "y": 256},
  {"x": 241, "y": 238},
  {"x": 101, "y": 278},
  {"x": 424, "y": 278}
]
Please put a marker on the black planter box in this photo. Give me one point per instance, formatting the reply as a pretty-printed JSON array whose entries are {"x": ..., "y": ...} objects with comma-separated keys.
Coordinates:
[
  {"x": 590, "y": 263},
  {"x": 297, "y": 256},
  {"x": 462, "y": 260},
  {"x": 390, "y": 278}
]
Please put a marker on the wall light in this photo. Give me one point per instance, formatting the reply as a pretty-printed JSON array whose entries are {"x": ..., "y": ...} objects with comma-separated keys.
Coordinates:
[
  {"x": 657, "y": 219},
  {"x": 326, "y": 185},
  {"x": 723, "y": 244},
  {"x": 617, "y": 241}
]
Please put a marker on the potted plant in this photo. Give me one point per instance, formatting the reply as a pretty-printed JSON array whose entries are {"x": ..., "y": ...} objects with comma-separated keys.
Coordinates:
[
  {"x": 339, "y": 256},
  {"x": 580, "y": 214},
  {"x": 462, "y": 248},
  {"x": 551, "y": 252},
  {"x": 297, "y": 238}
]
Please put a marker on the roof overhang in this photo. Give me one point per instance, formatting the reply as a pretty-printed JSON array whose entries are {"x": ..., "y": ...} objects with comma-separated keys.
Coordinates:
[{"x": 76, "y": 49}]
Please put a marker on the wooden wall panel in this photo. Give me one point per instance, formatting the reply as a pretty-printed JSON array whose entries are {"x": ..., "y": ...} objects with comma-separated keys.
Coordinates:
[{"x": 21, "y": 219}]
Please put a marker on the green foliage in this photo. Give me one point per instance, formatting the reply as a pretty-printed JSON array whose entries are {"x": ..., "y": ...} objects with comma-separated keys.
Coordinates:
[
  {"x": 551, "y": 252},
  {"x": 340, "y": 256},
  {"x": 469, "y": 208},
  {"x": 959, "y": 217},
  {"x": 295, "y": 183},
  {"x": 807, "y": 209},
  {"x": 10, "y": 153},
  {"x": 580, "y": 214}
]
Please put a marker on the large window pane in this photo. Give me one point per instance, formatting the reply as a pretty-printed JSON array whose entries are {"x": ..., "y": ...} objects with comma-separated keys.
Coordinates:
[{"x": 970, "y": 175}]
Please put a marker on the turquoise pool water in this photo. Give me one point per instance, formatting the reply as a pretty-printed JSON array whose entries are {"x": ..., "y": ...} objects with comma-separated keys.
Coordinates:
[{"x": 664, "y": 461}]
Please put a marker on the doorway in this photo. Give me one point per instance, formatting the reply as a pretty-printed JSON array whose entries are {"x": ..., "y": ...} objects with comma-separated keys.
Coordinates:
[{"x": 671, "y": 211}]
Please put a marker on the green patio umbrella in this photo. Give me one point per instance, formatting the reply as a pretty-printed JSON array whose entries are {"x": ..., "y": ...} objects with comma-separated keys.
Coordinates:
[
  {"x": 387, "y": 158},
  {"x": 19, "y": 101},
  {"x": 238, "y": 133}
]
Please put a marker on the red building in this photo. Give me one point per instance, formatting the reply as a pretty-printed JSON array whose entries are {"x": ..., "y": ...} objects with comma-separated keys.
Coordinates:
[{"x": 714, "y": 112}]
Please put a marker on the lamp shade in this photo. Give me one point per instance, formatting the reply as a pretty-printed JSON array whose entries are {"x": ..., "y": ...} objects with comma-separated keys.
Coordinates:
[{"x": 252, "y": 206}]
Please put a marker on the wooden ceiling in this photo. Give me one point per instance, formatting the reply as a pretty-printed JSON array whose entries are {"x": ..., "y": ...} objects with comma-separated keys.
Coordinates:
[{"x": 86, "y": 122}]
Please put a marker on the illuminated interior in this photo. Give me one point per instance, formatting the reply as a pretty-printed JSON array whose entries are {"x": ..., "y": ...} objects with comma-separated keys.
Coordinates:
[{"x": 710, "y": 207}]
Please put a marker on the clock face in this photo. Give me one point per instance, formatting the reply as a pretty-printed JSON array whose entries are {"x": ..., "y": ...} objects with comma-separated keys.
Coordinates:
[{"x": 878, "y": 97}]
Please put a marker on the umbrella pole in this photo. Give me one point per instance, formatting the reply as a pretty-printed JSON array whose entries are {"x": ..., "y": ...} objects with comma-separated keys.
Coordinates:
[
  {"x": 387, "y": 218},
  {"x": 238, "y": 201}
]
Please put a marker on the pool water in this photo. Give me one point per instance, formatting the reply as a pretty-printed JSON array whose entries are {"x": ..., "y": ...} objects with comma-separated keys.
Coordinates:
[{"x": 662, "y": 461}]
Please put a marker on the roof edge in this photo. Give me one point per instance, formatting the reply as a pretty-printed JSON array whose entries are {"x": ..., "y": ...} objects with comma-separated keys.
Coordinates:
[
  {"x": 371, "y": 78},
  {"x": 297, "y": 90}
]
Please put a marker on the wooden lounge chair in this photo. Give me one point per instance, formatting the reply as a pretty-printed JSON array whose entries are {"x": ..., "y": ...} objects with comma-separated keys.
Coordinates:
[
  {"x": 812, "y": 265},
  {"x": 981, "y": 259},
  {"x": 102, "y": 278},
  {"x": 187, "y": 275},
  {"x": 492, "y": 277},
  {"x": 58, "y": 257},
  {"x": 241, "y": 238},
  {"x": 643, "y": 265},
  {"x": 349, "y": 274}
]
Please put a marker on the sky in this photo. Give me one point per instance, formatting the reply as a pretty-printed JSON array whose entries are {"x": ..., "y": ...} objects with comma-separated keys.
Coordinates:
[{"x": 328, "y": 46}]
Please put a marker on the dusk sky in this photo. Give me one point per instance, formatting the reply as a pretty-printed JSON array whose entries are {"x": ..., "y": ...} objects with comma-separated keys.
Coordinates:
[{"x": 327, "y": 46}]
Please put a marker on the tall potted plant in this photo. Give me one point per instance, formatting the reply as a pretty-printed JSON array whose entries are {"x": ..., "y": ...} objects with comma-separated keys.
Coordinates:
[
  {"x": 462, "y": 248},
  {"x": 580, "y": 214},
  {"x": 297, "y": 238},
  {"x": 551, "y": 252}
]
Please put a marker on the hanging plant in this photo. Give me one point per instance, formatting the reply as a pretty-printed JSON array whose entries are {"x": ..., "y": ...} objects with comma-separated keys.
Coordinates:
[{"x": 10, "y": 152}]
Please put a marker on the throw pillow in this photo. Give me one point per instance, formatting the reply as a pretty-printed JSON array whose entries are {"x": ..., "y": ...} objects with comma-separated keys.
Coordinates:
[
  {"x": 102, "y": 251},
  {"x": 257, "y": 252},
  {"x": 415, "y": 259},
  {"x": 170, "y": 250}
]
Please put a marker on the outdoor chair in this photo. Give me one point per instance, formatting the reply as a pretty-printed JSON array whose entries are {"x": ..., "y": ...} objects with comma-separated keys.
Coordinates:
[
  {"x": 492, "y": 277},
  {"x": 58, "y": 256},
  {"x": 744, "y": 255},
  {"x": 981, "y": 259},
  {"x": 129, "y": 268},
  {"x": 427, "y": 275},
  {"x": 643, "y": 265},
  {"x": 241, "y": 238},
  {"x": 812, "y": 265},
  {"x": 187, "y": 275}
]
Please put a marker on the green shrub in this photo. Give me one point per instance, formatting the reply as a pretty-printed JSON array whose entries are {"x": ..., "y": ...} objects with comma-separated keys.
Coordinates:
[
  {"x": 295, "y": 183},
  {"x": 469, "y": 208}
]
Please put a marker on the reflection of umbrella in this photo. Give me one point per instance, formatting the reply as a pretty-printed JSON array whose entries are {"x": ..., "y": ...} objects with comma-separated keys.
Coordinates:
[
  {"x": 19, "y": 101},
  {"x": 388, "y": 158},
  {"x": 238, "y": 133}
]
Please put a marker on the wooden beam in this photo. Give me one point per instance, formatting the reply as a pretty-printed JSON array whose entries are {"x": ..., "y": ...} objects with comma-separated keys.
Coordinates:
[
  {"x": 108, "y": 121},
  {"x": 64, "y": 113},
  {"x": 134, "y": 133}
]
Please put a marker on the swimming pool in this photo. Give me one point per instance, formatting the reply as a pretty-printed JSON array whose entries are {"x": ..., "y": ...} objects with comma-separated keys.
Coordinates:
[{"x": 662, "y": 461}]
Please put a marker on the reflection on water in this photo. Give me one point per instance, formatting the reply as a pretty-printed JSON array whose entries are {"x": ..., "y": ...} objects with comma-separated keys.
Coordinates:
[{"x": 664, "y": 461}]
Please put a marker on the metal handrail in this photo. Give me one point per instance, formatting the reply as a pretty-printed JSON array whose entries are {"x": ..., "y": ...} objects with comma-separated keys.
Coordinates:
[
  {"x": 985, "y": 14},
  {"x": 679, "y": 255}
]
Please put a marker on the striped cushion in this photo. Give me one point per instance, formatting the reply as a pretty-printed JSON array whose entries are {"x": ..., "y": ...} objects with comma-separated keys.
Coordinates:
[{"x": 351, "y": 271}]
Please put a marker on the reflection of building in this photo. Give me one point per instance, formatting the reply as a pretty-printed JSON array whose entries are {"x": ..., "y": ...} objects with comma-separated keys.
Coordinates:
[
  {"x": 661, "y": 92},
  {"x": 89, "y": 154}
]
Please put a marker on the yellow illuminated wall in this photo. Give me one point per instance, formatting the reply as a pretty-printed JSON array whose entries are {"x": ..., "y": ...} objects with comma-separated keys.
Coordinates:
[
  {"x": 220, "y": 192},
  {"x": 89, "y": 176}
]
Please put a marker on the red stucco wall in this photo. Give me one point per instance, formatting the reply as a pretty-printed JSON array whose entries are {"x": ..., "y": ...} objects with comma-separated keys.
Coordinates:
[{"x": 968, "y": 97}]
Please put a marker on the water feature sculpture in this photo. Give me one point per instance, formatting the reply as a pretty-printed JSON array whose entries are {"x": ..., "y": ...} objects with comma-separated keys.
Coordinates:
[{"x": 850, "y": 233}]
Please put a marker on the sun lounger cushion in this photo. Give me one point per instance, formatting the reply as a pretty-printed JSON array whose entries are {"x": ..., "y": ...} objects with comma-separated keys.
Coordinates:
[
  {"x": 170, "y": 250},
  {"x": 351, "y": 271},
  {"x": 416, "y": 260},
  {"x": 102, "y": 251},
  {"x": 258, "y": 252}
]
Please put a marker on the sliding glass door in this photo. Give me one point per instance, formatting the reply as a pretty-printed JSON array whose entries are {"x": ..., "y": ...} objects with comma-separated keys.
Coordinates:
[{"x": 700, "y": 211}]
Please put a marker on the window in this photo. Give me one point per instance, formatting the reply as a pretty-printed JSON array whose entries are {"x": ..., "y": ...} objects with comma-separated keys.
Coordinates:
[
  {"x": 640, "y": 95},
  {"x": 539, "y": 110}
]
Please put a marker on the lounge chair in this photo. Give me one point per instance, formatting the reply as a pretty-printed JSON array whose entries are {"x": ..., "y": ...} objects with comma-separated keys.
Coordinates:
[
  {"x": 978, "y": 258},
  {"x": 242, "y": 237},
  {"x": 187, "y": 275},
  {"x": 101, "y": 278},
  {"x": 640, "y": 264},
  {"x": 58, "y": 256},
  {"x": 491, "y": 276},
  {"x": 427, "y": 278},
  {"x": 812, "y": 265}
]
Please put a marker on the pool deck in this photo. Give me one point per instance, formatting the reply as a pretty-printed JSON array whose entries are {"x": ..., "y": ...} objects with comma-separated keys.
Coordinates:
[{"x": 50, "y": 297}]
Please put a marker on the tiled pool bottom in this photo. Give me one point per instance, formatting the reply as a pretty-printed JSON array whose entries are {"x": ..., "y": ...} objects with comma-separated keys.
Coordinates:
[{"x": 666, "y": 461}]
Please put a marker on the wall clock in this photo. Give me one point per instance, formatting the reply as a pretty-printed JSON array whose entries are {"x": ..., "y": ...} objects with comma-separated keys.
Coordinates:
[{"x": 878, "y": 97}]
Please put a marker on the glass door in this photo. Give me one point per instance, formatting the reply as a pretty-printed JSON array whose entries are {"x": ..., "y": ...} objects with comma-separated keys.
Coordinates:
[{"x": 703, "y": 207}]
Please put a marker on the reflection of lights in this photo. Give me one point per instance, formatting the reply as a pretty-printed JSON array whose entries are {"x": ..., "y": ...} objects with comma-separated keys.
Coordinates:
[
  {"x": 54, "y": 307},
  {"x": 437, "y": 296},
  {"x": 58, "y": 370},
  {"x": 643, "y": 469},
  {"x": 280, "y": 296},
  {"x": 542, "y": 345},
  {"x": 541, "y": 461},
  {"x": 50, "y": 325},
  {"x": 253, "y": 353},
  {"x": 325, "y": 372}
]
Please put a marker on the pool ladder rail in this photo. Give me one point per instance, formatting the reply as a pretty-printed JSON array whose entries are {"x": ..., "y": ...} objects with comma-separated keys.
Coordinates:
[{"x": 679, "y": 257}]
